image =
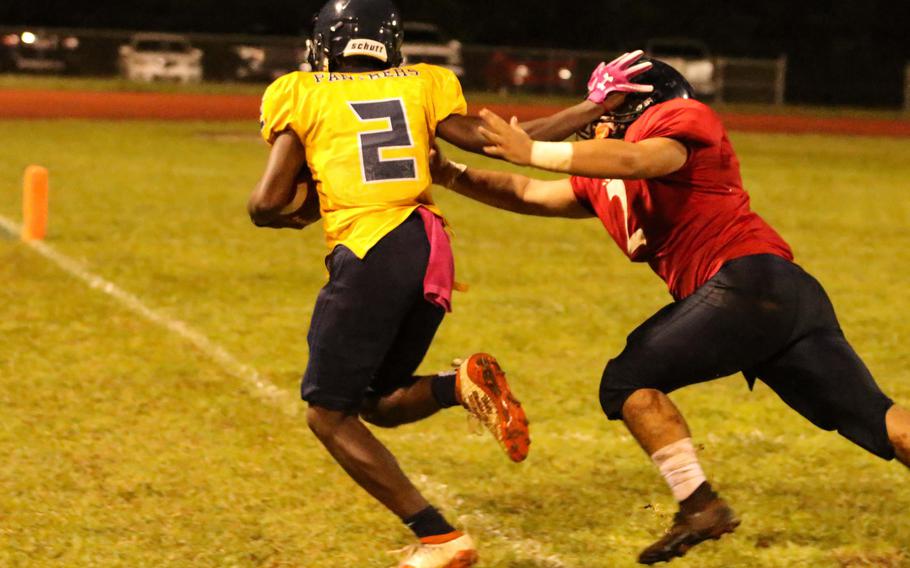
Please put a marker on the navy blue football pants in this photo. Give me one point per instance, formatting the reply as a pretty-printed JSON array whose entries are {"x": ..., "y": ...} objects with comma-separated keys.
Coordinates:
[
  {"x": 371, "y": 325},
  {"x": 766, "y": 317}
]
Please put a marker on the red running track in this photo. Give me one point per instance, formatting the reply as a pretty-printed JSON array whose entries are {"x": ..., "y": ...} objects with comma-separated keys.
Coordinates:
[{"x": 33, "y": 104}]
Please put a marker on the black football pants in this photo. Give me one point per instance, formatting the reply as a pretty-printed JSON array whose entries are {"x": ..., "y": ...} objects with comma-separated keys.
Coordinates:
[{"x": 766, "y": 317}]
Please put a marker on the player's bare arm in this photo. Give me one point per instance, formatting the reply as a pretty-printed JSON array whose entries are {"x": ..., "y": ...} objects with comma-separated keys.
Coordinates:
[
  {"x": 601, "y": 158},
  {"x": 512, "y": 192},
  {"x": 278, "y": 185},
  {"x": 606, "y": 89},
  {"x": 463, "y": 131}
]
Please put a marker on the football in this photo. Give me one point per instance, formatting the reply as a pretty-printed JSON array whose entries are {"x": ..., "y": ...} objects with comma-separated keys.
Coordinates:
[{"x": 304, "y": 207}]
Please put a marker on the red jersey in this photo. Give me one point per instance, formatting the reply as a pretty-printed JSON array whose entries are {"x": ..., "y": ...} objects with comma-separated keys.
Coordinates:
[{"x": 687, "y": 224}]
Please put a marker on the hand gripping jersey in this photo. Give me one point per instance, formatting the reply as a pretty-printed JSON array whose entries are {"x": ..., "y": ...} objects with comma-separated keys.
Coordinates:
[
  {"x": 687, "y": 224},
  {"x": 367, "y": 138}
]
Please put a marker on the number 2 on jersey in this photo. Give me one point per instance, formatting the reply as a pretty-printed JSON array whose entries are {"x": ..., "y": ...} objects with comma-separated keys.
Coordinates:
[{"x": 372, "y": 143}]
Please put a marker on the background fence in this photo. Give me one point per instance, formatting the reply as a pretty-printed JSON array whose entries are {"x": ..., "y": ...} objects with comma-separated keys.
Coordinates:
[
  {"x": 751, "y": 80},
  {"x": 505, "y": 70},
  {"x": 907, "y": 88}
]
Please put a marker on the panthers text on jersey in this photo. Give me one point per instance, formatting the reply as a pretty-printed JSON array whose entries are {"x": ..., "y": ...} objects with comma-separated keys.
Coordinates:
[
  {"x": 367, "y": 138},
  {"x": 687, "y": 224}
]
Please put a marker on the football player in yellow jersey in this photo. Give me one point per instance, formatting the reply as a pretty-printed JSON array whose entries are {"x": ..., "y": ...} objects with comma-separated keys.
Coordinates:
[{"x": 363, "y": 126}]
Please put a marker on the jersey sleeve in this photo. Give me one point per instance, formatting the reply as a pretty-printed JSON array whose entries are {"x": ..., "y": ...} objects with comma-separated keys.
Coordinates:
[
  {"x": 278, "y": 104},
  {"x": 692, "y": 124},
  {"x": 448, "y": 98}
]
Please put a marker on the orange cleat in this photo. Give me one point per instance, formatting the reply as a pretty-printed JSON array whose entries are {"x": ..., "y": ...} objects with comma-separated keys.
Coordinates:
[
  {"x": 457, "y": 553},
  {"x": 482, "y": 389}
]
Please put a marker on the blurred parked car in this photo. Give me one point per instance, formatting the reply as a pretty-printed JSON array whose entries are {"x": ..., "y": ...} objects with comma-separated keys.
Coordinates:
[
  {"x": 506, "y": 72},
  {"x": 38, "y": 51},
  {"x": 154, "y": 56},
  {"x": 688, "y": 56},
  {"x": 426, "y": 43}
]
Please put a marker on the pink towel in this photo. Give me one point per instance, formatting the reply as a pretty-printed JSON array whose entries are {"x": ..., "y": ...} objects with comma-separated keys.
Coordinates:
[{"x": 440, "y": 276}]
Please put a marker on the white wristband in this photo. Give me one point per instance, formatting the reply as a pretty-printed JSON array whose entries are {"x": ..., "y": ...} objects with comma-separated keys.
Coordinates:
[{"x": 553, "y": 156}]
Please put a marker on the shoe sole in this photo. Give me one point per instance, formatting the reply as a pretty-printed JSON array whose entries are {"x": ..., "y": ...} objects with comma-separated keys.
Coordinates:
[{"x": 513, "y": 423}]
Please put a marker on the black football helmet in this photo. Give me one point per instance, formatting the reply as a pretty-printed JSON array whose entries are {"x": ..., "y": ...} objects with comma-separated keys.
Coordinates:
[
  {"x": 668, "y": 84},
  {"x": 355, "y": 28}
]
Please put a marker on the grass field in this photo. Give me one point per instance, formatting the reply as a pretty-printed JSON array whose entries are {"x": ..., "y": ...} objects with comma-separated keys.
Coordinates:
[{"x": 126, "y": 446}]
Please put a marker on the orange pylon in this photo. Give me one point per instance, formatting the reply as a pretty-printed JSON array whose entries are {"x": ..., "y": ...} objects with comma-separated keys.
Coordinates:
[{"x": 34, "y": 203}]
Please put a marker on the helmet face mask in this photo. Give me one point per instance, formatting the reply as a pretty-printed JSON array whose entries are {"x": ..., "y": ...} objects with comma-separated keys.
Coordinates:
[
  {"x": 348, "y": 29},
  {"x": 668, "y": 84}
]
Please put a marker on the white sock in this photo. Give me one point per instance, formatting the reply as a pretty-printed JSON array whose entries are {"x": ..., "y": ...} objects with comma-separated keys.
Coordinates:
[{"x": 679, "y": 466}]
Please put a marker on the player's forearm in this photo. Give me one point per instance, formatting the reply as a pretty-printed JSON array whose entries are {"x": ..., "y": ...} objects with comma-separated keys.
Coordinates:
[
  {"x": 564, "y": 123},
  {"x": 264, "y": 206},
  {"x": 278, "y": 185},
  {"x": 603, "y": 158},
  {"x": 261, "y": 212},
  {"x": 497, "y": 189},
  {"x": 284, "y": 222},
  {"x": 613, "y": 159},
  {"x": 463, "y": 132},
  {"x": 261, "y": 217}
]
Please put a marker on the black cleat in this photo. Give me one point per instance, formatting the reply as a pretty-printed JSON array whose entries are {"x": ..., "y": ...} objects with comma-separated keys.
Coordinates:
[{"x": 688, "y": 530}]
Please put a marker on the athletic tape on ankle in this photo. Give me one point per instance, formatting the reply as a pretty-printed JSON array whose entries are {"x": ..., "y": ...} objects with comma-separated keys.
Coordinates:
[
  {"x": 679, "y": 465},
  {"x": 553, "y": 156}
]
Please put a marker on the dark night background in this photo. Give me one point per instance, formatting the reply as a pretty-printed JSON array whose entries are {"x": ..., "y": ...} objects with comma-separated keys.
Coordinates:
[{"x": 840, "y": 51}]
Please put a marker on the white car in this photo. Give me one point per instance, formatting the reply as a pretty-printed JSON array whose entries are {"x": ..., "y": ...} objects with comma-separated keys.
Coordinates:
[
  {"x": 426, "y": 43},
  {"x": 155, "y": 57},
  {"x": 688, "y": 56}
]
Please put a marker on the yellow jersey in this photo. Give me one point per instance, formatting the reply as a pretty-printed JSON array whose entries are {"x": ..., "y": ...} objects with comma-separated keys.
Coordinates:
[{"x": 367, "y": 138}]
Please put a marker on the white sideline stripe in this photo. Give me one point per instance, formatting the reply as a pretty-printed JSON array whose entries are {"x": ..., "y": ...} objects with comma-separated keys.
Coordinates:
[
  {"x": 265, "y": 390},
  {"x": 258, "y": 385}
]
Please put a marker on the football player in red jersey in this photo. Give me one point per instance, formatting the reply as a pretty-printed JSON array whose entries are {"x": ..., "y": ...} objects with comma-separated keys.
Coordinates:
[{"x": 663, "y": 178}]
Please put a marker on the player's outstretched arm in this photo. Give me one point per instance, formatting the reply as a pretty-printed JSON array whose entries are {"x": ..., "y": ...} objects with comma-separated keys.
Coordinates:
[
  {"x": 463, "y": 131},
  {"x": 566, "y": 122},
  {"x": 278, "y": 185},
  {"x": 606, "y": 88},
  {"x": 512, "y": 192},
  {"x": 606, "y": 158}
]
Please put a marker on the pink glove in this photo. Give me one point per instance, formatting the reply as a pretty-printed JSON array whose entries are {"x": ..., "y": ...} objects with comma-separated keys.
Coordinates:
[{"x": 616, "y": 76}]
